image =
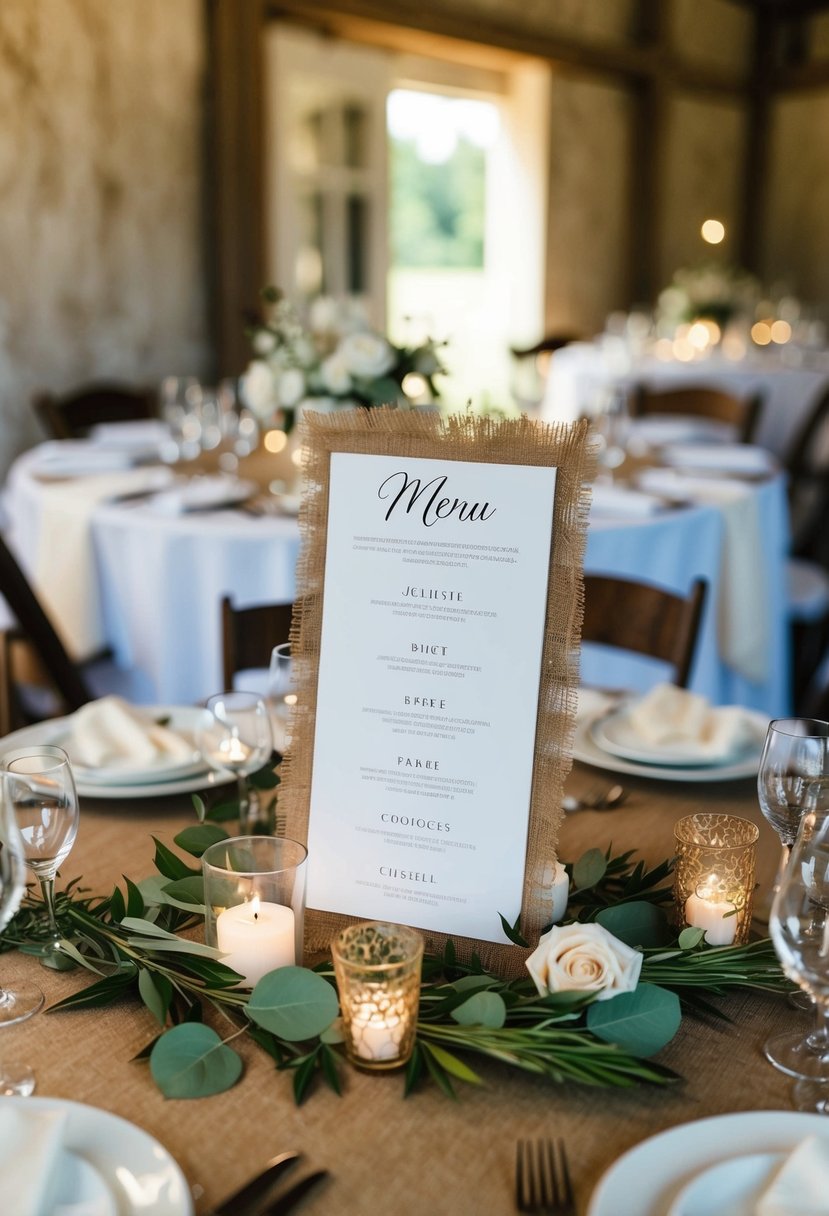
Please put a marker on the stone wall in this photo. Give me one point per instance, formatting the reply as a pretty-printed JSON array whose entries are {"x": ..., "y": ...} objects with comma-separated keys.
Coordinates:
[{"x": 100, "y": 190}]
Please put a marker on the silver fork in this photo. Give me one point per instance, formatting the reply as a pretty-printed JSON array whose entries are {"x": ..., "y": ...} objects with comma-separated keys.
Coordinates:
[
  {"x": 542, "y": 1179},
  {"x": 599, "y": 797}
]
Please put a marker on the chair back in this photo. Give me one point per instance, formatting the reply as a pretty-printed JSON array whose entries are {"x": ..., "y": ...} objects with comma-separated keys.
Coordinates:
[
  {"x": 35, "y": 627},
  {"x": 645, "y": 619},
  {"x": 700, "y": 402},
  {"x": 72, "y": 415},
  {"x": 250, "y": 634}
]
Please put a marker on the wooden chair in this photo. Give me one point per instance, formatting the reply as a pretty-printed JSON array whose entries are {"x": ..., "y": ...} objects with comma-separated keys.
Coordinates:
[
  {"x": 645, "y": 619},
  {"x": 531, "y": 366},
  {"x": 250, "y": 634},
  {"x": 32, "y": 653},
  {"x": 71, "y": 415},
  {"x": 699, "y": 402}
]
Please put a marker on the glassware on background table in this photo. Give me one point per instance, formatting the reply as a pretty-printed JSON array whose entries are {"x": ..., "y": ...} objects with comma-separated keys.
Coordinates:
[
  {"x": 799, "y": 929},
  {"x": 179, "y": 399},
  {"x": 40, "y": 787},
  {"x": 24, "y": 1000},
  {"x": 281, "y": 694},
  {"x": 234, "y": 735}
]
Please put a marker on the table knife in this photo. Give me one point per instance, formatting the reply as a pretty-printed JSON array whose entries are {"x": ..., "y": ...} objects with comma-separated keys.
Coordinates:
[
  {"x": 288, "y": 1200},
  {"x": 256, "y": 1187}
]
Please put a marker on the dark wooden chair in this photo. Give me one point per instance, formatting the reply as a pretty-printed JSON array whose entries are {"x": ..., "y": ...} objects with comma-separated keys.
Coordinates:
[
  {"x": 250, "y": 634},
  {"x": 32, "y": 653},
  {"x": 699, "y": 402},
  {"x": 71, "y": 415},
  {"x": 645, "y": 619}
]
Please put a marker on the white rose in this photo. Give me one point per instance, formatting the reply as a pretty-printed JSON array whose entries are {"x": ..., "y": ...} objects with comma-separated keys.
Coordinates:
[
  {"x": 584, "y": 958},
  {"x": 264, "y": 341},
  {"x": 335, "y": 375},
  {"x": 366, "y": 355},
  {"x": 291, "y": 387},
  {"x": 258, "y": 389}
]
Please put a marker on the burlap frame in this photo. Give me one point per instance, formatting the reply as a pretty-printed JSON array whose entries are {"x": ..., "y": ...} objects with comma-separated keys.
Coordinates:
[{"x": 412, "y": 434}]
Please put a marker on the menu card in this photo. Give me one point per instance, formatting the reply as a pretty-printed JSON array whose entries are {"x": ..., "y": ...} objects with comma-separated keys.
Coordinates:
[{"x": 434, "y": 601}]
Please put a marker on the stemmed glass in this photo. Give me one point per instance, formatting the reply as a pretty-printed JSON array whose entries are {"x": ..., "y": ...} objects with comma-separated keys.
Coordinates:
[
  {"x": 281, "y": 694},
  {"x": 799, "y": 929},
  {"x": 24, "y": 1000},
  {"x": 234, "y": 735},
  {"x": 41, "y": 791}
]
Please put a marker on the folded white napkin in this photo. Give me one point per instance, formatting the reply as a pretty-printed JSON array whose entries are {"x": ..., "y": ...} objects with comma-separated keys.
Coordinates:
[
  {"x": 621, "y": 500},
  {"x": 30, "y": 1143},
  {"x": 77, "y": 457},
  {"x": 110, "y": 733},
  {"x": 801, "y": 1185},
  {"x": 725, "y": 457},
  {"x": 684, "y": 722},
  {"x": 139, "y": 432},
  {"x": 201, "y": 493}
]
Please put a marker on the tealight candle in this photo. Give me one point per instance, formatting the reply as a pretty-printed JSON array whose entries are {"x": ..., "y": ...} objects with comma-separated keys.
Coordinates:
[
  {"x": 233, "y": 752},
  {"x": 559, "y": 894},
  {"x": 376, "y": 1032},
  {"x": 256, "y": 937},
  {"x": 709, "y": 909}
]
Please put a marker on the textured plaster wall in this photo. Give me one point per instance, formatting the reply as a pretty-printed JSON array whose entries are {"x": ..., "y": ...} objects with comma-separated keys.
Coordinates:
[
  {"x": 702, "y": 180},
  {"x": 100, "y": 197},
  {"x": 797, "y": 231},
  {"x": 589, "y": 183}
]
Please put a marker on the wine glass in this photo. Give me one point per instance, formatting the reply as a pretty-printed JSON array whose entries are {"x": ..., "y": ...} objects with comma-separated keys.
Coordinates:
[
  {"x": 799, "y": 929},
  {"x": 234, "y": 735},
  {"x": 25, "y": 999},
  {"x": 793, "y": 777},
  {"x": 281, "y": 694},
  {"x": 41, "y": 792}
]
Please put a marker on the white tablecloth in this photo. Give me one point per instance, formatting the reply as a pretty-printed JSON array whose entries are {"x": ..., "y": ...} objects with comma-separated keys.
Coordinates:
[
  {"x": 581, "y": 375},
  {"x": 158, "y": 581}
]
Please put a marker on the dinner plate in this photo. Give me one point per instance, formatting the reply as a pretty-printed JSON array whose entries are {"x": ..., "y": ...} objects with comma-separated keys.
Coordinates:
[
  {"x": 613, "y": 733},
  {"x": 108, "y": 783},
  {"x": 649, "y": 1178},
  {"x": 109, "y": 1167},
  {"x": 729, "y": 1188},
  {"x": 589, "y": 752}
]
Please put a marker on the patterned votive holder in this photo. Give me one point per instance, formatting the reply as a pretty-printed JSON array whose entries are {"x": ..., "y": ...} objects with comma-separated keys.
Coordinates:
[
  {"x": 714, "y": 876},
  {"x": 378, "y": 975},
  {"x": 254, "y": 899}
]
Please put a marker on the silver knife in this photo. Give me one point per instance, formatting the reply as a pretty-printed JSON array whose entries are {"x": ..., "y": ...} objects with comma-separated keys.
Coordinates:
[
  {"x": 289, "y": 1199},
  {"x": 256, "y": 1187}
]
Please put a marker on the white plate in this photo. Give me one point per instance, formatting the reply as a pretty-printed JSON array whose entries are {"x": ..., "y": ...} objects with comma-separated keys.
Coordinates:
[
  {"x": 588, "y": 752},
  {"x": 109, "y": 783},
  {"x": 111, "y": 1166},
  {"x": 730, "y": 1188},
  {"x": 651, "y": 1176},
  {"x": 202, "y": 494},
  {"x": 613, "y": 733}
]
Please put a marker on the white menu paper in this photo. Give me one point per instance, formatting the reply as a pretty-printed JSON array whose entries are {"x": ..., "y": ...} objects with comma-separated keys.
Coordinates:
[{"x": 434, "y": 603}]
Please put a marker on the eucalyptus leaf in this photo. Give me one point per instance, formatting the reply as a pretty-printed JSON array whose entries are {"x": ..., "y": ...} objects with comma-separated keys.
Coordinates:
[
  {"x": 636, "y": 924},
  {"x": 196, "y": 840},
  {"x": 641, "y": 1022},
  {"x": 589, "y": 869},
  {"x": 293, "y": 1003},
  {"x": 482, "y": 1009},
  {"x": 186, "y": 893},
  {"x": 191, "y": 1061},
  {"x": 690, "y": 937},
  {"x": 472, "y": 982},
  {"x": 334, "y": 1033}
]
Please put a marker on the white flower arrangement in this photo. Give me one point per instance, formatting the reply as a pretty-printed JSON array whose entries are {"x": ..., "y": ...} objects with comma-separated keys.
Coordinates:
[
  {"x": 713, "y": 291},
  {"x": 336, "y": 362}
]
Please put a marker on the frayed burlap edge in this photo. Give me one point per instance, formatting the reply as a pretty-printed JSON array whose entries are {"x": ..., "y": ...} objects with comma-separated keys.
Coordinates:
[{"x": 414, "y": 434}]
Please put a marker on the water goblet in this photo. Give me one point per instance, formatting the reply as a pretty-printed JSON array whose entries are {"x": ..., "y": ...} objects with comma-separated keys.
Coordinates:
[
  {"x": 41, "y": 790},
  {"x": 799, "y": 929},
  {"x": 234, "y": 735},
  {"x": 281, "y": 694},
  {"x": 23, "y": 1000}
]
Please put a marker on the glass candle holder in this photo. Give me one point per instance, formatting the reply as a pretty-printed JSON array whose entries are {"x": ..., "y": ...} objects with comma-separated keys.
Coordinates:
[
  {"x": 378, "y": 975},
  {"x": 714, "y": 876},
  {"x": 254, "y": 897}
]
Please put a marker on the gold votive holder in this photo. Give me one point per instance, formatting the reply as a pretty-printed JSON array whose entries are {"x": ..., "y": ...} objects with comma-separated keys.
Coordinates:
[
  {"x": 378, "y": 969},
  {"x": 714, "y": 876}
]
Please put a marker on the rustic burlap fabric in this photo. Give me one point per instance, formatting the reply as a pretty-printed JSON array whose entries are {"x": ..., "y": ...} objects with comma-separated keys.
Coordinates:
[{"x": 468, "y": 438}]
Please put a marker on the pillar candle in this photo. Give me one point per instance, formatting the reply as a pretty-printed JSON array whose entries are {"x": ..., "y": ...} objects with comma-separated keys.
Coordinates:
[{"x": 255, "y": 938}]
